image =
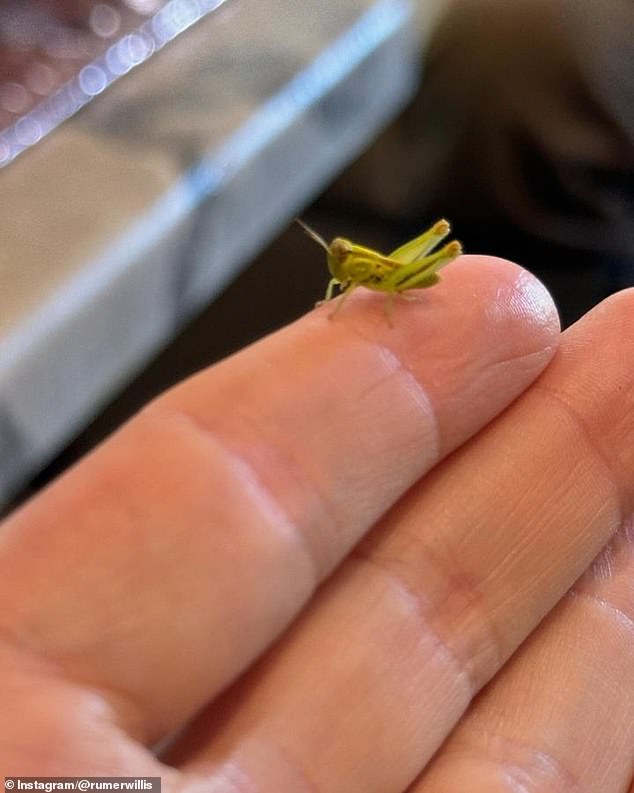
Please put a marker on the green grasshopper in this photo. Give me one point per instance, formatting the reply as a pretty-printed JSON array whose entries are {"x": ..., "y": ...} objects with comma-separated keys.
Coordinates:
[{"x": 412, "y": 266}]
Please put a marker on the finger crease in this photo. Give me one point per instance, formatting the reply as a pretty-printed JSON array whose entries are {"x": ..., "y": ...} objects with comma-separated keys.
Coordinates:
[
  {"x": 612, "y": 611},
  {"x": 537, "y": 768},
  {"x": 599, "y": 454},
  {"x": 462, "y": 670},
  {"x": 526, "y": 768},
  {"x": 411, "y": 383},
  {"x": 259, "y": 494}
]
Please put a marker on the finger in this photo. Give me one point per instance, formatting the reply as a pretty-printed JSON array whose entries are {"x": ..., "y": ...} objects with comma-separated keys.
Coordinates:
[
  {"x": 193, "y": 537},
  {"x": 364, "y": 689},
  {"x": 560, "y": 716}
]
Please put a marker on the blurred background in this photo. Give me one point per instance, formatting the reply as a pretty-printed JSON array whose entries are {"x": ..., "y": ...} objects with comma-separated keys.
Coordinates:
[{"x": 370, "y": 119}]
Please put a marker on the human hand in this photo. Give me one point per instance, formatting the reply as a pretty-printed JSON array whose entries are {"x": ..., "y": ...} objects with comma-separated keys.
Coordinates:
[{"x": 147, "y": 581}]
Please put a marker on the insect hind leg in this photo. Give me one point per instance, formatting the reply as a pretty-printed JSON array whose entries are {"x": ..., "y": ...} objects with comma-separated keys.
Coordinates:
[
  {"x": 427, "y": 272},
  {"x": 388, "y": 307}
]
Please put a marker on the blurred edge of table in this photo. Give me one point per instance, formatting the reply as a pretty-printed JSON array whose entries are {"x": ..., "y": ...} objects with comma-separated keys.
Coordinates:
[{"x": 145, "y": 205}]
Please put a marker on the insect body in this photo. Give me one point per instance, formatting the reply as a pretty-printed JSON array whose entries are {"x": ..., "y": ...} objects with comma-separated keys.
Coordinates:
[{"x": 412, "y": 266}]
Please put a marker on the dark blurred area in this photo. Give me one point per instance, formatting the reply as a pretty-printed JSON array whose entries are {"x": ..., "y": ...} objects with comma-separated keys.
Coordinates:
[{"x": 522, "y": 135}]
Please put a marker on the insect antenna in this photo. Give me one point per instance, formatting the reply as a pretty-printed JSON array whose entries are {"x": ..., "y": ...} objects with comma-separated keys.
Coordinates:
[{"x": 313, "y": 234}]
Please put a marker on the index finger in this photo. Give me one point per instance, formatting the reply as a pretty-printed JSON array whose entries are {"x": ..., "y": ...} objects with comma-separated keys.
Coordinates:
[{"x": 195, "y": 535}]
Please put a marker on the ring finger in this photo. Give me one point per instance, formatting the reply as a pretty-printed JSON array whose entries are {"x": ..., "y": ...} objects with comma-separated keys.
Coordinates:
[{"x": 560, "y": 716}]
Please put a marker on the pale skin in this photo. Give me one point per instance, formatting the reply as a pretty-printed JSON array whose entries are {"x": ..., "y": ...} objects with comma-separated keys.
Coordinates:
[{"x": 452, "y": 478}]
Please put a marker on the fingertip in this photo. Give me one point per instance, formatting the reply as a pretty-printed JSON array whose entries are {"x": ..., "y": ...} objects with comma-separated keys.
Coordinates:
[
  {"x": 510, "y": 289},
  {"x": 474, "y": 341},
  {"x": 617, "y": 309}
]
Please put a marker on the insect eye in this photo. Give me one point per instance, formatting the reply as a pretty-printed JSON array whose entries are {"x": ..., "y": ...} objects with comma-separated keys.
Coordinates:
[{"x": 339, "y": 249}]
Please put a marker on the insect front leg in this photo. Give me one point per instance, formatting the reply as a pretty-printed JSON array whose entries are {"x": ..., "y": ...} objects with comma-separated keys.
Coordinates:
[{"x": 331, "y": 288}]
